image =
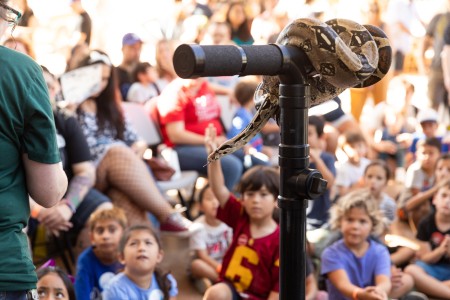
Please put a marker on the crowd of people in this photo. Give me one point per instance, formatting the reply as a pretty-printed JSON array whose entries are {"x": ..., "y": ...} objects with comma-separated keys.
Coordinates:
[{"x": 74, "y": 166}]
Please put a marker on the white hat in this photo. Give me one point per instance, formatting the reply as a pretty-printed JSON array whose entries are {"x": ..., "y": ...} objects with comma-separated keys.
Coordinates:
[{"x": 427, "y": 115}]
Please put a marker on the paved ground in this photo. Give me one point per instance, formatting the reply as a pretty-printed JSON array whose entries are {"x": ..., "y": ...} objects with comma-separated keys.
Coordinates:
[{"x": 176, "y": 258}]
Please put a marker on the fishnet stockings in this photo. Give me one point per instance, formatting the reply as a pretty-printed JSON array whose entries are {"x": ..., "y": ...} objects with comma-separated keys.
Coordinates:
[
  {"x": 121, "y": 169},
  {"x": 135, "y": 214}
]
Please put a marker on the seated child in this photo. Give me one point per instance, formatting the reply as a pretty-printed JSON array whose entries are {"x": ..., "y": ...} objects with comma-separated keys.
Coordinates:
[
  {"x": 140, "y": 253},
  {"x": 144, "y": 87},
  {"x": 376, "y": 176},
  {"x": 250, "y": 268},
  {"x": 243, "y": 92},
  {"x": 209, "y": 244},
  {"x": 349, "y": 173},
  {"x": 356, "y": 266},
  {"x": 98, "y": 263},
  {"x": 428, "y": 119},
  {"x": 432, "y": 271},
  {"x": 54, "y": 283},
  {"x": 317, "y": 211},
  {"x": 420, "y": 176}
]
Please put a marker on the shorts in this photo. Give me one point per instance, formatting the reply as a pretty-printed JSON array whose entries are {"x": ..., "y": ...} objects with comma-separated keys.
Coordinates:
[{"x": 439, "y": 271}]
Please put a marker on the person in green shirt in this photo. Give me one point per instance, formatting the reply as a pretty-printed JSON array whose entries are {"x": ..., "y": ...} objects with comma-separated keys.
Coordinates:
[{"x": 29, "y": 161}]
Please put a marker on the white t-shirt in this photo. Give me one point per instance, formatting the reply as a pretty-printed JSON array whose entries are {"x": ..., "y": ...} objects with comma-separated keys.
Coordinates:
[
  {"x": 141, "y": 93},
  {"x": 215, "y": 240},
  {"x": 348, "y": 174}
]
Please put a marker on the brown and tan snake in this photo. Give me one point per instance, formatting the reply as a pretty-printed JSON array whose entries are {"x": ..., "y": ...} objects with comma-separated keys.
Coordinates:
[{"x": 343, "y": 53}]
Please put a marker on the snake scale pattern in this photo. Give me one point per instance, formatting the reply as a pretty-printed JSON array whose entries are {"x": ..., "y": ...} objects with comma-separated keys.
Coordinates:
[{"x": 343, "y": 54}]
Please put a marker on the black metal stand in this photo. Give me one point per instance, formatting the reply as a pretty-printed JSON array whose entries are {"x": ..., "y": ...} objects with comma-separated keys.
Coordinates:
[{"x": 297, "y": 182}]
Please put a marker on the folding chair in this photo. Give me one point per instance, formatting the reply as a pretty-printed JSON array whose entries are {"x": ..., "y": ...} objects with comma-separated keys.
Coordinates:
[{"x": 147, "y": 128}]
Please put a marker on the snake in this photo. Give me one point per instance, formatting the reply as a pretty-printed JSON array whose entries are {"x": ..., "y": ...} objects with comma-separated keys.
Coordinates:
[{"x": 343, "y": 54}]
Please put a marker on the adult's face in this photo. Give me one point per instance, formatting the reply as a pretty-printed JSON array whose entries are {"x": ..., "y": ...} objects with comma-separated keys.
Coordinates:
[{"x": 131, "y": 53}]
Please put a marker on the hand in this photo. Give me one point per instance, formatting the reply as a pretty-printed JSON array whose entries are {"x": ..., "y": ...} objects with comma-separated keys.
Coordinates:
[
  {"x": 56, "y": 219},
  {"x": 211, "y": 142},
  {"x": 396, "y": 277},
  {"x": 371, "y": 293},
  {"x": 314, "y": 154},
  {"x": 387, "y": 147},
  {"x": 444, "y": 246}
]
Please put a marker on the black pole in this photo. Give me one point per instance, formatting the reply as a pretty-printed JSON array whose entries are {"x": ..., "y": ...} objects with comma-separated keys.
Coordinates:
[
  {"x": 297, "y": 182},
  {"x": 297, "y": 185},
  {"x": 293, "y": 157}
]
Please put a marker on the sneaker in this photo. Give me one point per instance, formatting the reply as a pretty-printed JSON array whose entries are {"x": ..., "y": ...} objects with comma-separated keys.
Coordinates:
[
  {"x": 202, "y": 284},
  {"x": 178, "y": 225},
  {"x": 414, "y": 296}
]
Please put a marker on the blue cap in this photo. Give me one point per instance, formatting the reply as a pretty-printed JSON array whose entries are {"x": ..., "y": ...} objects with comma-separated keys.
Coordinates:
[{"x": 130, "y": 39}]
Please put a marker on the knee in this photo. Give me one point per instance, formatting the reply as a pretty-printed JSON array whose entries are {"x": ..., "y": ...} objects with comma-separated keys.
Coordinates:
[
  {"x": 120, "y": 151},
  {"x": 219, "y": 291},
  {"x": 196, "y": 265},
  {"x": 412, "y": 270}
]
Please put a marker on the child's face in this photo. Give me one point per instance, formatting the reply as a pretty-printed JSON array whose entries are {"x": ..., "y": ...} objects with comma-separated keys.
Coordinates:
[
  {"x": 259, "y": 204},
  {"x": 429, "y": 128},
  {"x": 442, "y": 169},
  {"x": 209, "y": 204},
  {"x": 375, "y": 179},
  {"x": 356, "y": 227},
  {"x": 141, "y": 253},
  {"x": 428, "y": 156},
  {"x": 442, "y": 201},
  {"x": 151, "y": 74},
  {"x": 313, "y": 137},
  {"x": 355, "y": 151},
  {"x": 106, "y": 236},
  {"x": 51, "y": 286}
]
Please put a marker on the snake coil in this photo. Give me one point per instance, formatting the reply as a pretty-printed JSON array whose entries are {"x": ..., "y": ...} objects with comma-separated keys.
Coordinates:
[{"x": 343, "y": 54}]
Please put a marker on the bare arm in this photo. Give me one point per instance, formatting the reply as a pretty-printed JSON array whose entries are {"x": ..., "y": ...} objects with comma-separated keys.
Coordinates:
[
  {"x": 383, "y": 285},
  {"x": 422, "y": 197},
  {"x": 433, "y": 256},
  {"x": 179, "y": 135},
  {"x": 46, "y": 183},
  {"x": 446, "y": 66},
  {"x": 273, "y": 296},
  {"x": 203, "y": 255},
  {"x": 57, "y": 218},
  {"x": 340, "y": 280},
  {"x": 311, "y": 287},
  {"x": 81, "y": 182},
  {"x": 215, "y": 175}
]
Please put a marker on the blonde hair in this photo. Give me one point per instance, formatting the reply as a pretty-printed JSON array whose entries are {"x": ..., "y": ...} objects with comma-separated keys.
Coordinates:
[
  {"x": 115, "y": 214},
  {"x": 357, "y": 199}
]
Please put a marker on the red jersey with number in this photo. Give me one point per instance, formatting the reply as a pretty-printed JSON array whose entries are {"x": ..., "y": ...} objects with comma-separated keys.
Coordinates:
[
  {"x": 251, "y": 265},
  {"x": 194, "y": 104}
]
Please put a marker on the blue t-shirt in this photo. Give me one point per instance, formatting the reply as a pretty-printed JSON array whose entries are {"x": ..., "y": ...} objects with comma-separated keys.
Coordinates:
[
  {"x": 361, "y": 271},
  {"x": 241, "y": 119},
  {"x": 121, "y": 287},
  {"x": 317, "y": 211},
  {"x": 92, "y": 276}
]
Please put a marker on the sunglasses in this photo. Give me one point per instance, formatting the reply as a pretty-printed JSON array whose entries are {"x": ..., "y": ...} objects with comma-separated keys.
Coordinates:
[{"x": 9, "y": 14}]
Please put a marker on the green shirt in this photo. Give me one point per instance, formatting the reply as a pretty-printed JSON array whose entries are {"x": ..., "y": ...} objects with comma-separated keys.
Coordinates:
[{"x": 26, "y": 126}]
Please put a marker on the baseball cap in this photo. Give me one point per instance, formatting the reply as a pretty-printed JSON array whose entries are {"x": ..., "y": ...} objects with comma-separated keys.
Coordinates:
[
  {"x": 427, "y": 115},
  {"x": 131, "y": 39}
]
